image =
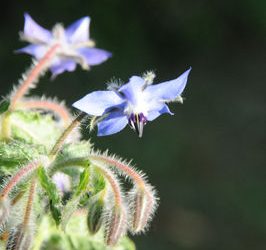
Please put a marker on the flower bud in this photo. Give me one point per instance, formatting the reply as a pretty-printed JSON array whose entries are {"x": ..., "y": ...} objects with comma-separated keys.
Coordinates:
[
  {"x": 143, "y": 203},
  {"x": 116, "y": 225},
  {"x": 95, "y": 216}
]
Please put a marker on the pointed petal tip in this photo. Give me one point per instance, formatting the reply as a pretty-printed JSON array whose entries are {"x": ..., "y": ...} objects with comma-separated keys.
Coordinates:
[
  {"x": 85, "y": 21},
  {"x": 26, "y": 15},
  {"x": 188, "y": 70}
]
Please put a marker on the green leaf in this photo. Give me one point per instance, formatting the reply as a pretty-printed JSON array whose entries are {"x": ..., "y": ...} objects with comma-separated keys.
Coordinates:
[
  {"x": 14, "y": 153},
  {"x": 56, "y": 212},
  {"x": 4, "y": 105},
  {"x": 83, "y": 182},
  {"x": 34, "y": 127},
  {"x": 53, "y": 194},
  {"x": 49, "y": 237}
]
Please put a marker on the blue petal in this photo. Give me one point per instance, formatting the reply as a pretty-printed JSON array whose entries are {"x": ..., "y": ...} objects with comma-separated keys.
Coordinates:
[
  {"x": 132, "y": 89},
  {"x": 114, "y": 123},
  {"x": 34, "y": 31},
  {"x": 169, "y": 90},
  {"x": 94, "y": 56},
  {"x": 38, "y": 51},
  {"x": 97, "y": 102},
  {"x": 78, "y": 32},
  {"x": 62, "y": 65},
  {"x": 152, "y": 115}
]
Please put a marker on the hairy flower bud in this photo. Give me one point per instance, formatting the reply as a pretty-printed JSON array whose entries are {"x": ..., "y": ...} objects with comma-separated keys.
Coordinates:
[
  {"x": 20, "y": 238},
  {"x": 116, "y": 225},
  {"x": 4, "y": 210},
  {"x": 143, "y": 203},
  {"x": 95, "y": 216}
]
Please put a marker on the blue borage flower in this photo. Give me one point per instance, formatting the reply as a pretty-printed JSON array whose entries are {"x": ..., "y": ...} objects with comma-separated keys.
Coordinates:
[
  {"x": 134, "y": 103},
  {"x": 75, "y": 45}
]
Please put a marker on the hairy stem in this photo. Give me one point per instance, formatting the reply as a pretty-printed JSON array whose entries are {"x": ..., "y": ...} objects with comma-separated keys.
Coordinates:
[
  {"x": 114, "y": 185},
  {"x": 29, "y": 203},
  {"x": 136, "y": 177},
  {"x": 75, "y": 123},
  {"x": 15, "y": 179},
  {"x": 33, "y": 75},
  {"x": 17, "y": 198}
]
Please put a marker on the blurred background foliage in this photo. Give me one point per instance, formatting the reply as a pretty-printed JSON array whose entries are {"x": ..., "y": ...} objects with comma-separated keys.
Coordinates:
[{"x": 207, "y": 161}]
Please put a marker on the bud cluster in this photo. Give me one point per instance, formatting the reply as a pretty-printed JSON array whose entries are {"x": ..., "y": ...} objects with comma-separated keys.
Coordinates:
[{"x": 47, "y": 171}]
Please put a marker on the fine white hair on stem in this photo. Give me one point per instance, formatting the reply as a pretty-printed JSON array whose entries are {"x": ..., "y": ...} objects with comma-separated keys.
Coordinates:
[
  {"x": 142, "y": 198},
  {"x": 115, "y": 213}
]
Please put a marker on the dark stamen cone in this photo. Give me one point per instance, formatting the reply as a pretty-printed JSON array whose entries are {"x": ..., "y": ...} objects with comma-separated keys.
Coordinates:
[
  {"x": 116, "y": 226},
  {"x": 95, "y": 216},
  {"x": 143, "y": 203},
  {"x": 19, "y": 239}
]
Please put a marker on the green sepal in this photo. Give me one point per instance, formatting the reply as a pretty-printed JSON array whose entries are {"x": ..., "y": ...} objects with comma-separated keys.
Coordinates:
[
  {"x": 56, "y": 212},
  {"x": 98, "y": 184},
  {"x": 54, "y": 198},
  {"x": 83, "y": 182},
  {"x": 4, "y": 105},
  {"x": 95, "y": 215}
]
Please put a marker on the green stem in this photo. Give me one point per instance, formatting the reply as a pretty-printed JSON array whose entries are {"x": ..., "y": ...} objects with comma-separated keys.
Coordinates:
[{"x": 75, "y": 123}]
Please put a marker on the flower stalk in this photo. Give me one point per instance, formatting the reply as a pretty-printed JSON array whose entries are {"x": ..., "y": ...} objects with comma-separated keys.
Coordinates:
[
  {"x": 15, "y": 179},
  {"x": 142, "y": 197},
  {"x": 33, "y": 75},
  {"x": 74, "y": 124},
  {"x": 116, "y": 217},
  {"x": 29, "y": 203}
]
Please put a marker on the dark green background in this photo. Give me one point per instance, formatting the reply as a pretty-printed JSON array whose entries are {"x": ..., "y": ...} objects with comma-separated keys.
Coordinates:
[{"x": 208, "y": 161}]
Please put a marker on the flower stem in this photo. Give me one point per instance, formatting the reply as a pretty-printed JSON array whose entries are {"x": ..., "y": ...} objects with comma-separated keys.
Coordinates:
[
  {"x": 29, "y": 203},
  {"x": 136, "y": 177},
  {"x": 17, "y": 198},
  {"x": 33, "y": 75},
  {"x": 17, "y": 177},
  {"x": 114, "y": 185},
  {"x": 116, "y": 223},
  {"x": 75, "y": 123}
]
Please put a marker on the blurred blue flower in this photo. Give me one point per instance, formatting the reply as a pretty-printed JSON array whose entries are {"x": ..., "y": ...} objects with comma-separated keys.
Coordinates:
[
  {"x": 74, "y": 42},
  {"x": 62, "y": 182},
  {"x": 134, "y": 103}
]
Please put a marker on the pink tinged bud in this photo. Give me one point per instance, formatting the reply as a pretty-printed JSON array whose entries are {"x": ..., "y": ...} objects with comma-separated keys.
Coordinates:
[
  {"x": 4, "y": 210},
  {"x": 20, "y": 238},
  {"x": 143, "y": 203},
  {"x": 116, "y": 225}
]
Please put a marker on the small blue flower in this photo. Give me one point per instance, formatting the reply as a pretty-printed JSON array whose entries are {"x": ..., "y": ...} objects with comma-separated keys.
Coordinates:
[
  {"x": 134, "y": 103},
  {"x": 75, "y": 45}
]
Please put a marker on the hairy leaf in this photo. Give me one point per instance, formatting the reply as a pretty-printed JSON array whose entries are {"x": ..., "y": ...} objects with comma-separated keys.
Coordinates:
[{"x": 52, "y": 192}]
